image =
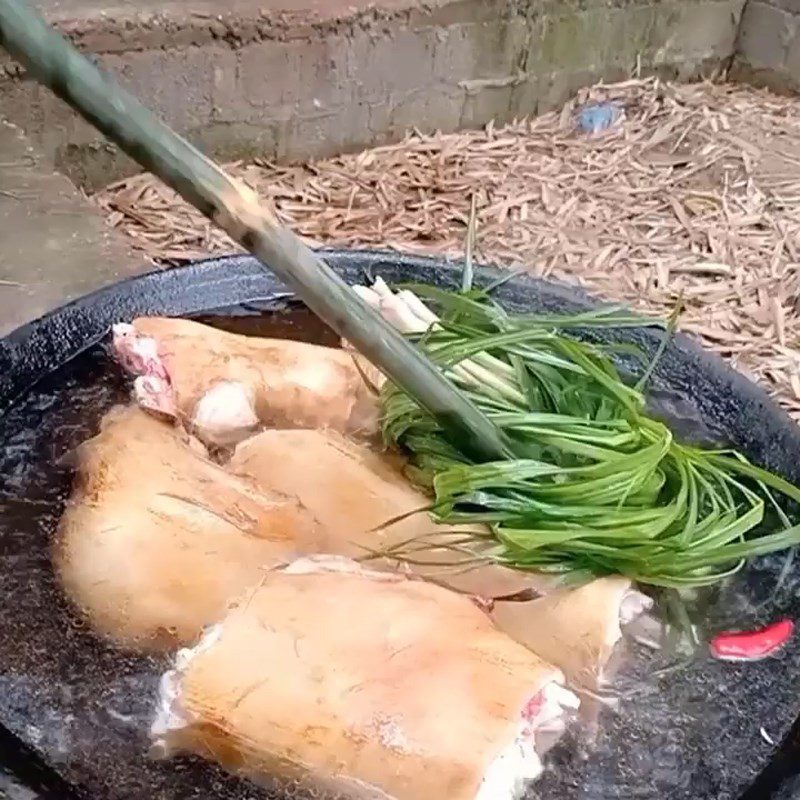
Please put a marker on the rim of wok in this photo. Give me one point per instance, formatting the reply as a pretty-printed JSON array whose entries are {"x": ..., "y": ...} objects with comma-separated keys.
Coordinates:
[{"x": 727, "y": 400}]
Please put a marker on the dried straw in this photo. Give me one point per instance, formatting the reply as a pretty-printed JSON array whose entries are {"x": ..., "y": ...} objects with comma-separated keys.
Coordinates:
[{"x": 695, "y": 191}]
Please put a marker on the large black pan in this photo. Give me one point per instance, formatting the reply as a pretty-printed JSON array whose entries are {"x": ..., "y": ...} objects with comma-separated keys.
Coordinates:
[{"x": 74, "y": 712}]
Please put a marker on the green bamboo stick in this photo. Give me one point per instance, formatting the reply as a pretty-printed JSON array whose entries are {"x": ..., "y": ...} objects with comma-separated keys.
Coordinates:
[{"x": 54, "y": 62}]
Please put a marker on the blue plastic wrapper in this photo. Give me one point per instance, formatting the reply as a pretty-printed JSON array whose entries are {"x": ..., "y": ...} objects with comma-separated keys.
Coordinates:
[{"x": 598, "y": 117}]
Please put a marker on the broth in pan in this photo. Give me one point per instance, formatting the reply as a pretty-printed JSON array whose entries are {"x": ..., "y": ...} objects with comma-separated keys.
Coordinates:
[{"x": 89, "y": 648}]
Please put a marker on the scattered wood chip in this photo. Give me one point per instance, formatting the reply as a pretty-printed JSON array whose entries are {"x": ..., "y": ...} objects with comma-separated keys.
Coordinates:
[{"x": 694, "y": 192}]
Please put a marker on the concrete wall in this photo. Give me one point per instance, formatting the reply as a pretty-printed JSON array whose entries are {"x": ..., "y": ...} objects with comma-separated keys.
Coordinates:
[
  {"x": 768, "y": 48},
  {"x": 313, "y": 77}
]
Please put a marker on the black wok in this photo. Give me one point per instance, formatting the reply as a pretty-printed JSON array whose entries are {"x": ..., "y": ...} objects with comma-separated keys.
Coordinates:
[{"x": 74, "y": 712}]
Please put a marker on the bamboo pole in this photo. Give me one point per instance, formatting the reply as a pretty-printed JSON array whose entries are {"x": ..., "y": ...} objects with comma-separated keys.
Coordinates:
[{"x": 55, "y": 63}]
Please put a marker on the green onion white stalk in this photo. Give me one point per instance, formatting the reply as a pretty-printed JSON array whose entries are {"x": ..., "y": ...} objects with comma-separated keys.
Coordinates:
[{"x": 406, "y": 312}]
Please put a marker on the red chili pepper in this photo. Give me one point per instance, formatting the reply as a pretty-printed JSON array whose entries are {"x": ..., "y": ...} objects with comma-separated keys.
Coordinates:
[{"x": 751, "y": 645}]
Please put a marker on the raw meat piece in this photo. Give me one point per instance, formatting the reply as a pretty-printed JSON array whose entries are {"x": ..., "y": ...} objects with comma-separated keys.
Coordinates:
[
  {"x": 224, "y": 386},
  {"x": 156, "y": 539},
  {"x": 352, "y": 490},
  {"x": 577, "y": 629},
  {"x": 365, "y": 683}
]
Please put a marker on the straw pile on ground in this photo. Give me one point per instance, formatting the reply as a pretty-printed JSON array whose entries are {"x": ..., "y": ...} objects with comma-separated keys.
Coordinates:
[{"x": 693, "y": 192}]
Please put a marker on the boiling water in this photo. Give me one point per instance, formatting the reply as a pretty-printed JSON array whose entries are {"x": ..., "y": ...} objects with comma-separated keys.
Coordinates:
[{"x": 87, "y": 707}]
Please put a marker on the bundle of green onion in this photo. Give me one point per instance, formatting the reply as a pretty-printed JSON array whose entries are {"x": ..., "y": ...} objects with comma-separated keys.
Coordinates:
[{"x": 594, "y": 484}]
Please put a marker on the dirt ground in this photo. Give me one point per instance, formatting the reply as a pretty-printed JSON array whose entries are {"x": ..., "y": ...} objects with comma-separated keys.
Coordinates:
[{"x": 691, "y": 193}]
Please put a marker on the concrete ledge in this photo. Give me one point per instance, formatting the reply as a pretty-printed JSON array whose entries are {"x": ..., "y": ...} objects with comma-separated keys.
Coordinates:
[
  {"x": 768, "y": 48},
  {"x": 306, "y": 78},
  {"x": 54, "y": 246}
]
